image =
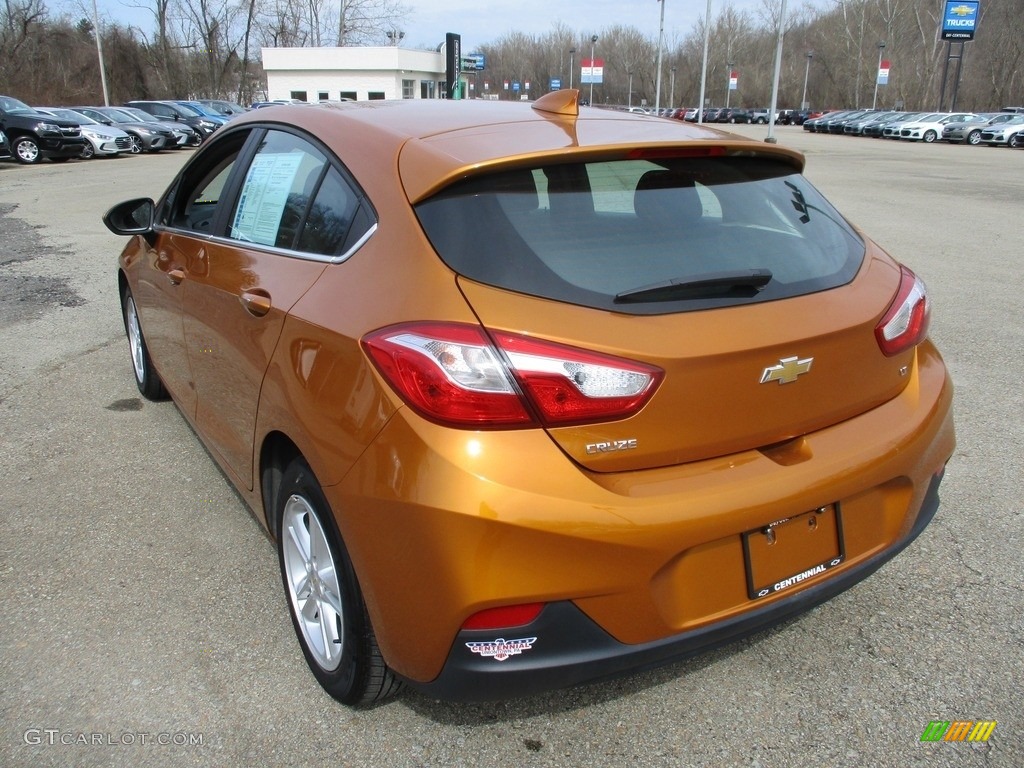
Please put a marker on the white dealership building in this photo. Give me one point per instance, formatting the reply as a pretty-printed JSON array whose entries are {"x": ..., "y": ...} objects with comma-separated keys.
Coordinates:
[{"x": 356, "y": 73}]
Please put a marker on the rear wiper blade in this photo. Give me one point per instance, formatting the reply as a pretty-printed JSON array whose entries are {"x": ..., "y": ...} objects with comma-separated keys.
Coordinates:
[{"x": 740, "y": 283}]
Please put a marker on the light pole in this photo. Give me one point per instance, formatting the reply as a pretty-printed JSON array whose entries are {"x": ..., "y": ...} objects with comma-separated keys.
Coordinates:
[
  {"x": 807, "y": 72},
  {"x": 99, "y": 53},
  {"x": 704, "y": 67},
  {"x": 661, "y": 37},
  {"x": 572, "y": 51},
  {"x": 728, "y": 82},
  {"x": 881, "y": 46},
  {"x": 630, "y": 97},
  {"x": 593, "y": 41},
  {"x": 672, "y": 87},
  {"x": 772, "y": 108}
]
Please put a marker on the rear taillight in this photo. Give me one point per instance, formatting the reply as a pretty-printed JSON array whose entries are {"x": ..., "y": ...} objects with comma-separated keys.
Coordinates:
[
  {"x": 456, "y": 374},
  {"x": 905, "y": 324}
]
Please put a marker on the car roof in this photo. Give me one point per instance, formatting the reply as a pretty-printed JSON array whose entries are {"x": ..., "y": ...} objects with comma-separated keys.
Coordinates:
[{"x": 435, "y": 142}]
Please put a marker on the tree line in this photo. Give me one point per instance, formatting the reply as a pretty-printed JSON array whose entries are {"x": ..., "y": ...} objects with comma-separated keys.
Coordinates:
[{"x": 207, "y": 49}]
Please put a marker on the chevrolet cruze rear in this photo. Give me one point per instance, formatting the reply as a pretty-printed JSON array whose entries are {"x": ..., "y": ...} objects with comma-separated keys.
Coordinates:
[{"x": 560, "y": 395}]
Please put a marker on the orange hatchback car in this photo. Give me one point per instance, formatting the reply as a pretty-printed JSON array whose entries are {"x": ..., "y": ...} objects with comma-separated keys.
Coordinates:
[{"x": 530, "y": 395}]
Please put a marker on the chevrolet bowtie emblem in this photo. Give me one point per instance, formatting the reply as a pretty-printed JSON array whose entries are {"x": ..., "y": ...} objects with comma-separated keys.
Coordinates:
[{"x": 787, "y": 370}]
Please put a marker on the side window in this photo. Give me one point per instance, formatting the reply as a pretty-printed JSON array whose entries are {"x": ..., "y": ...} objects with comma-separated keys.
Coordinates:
[
  {"x": 278, "y": 188},
  {"x": 293, "y": 198},
  {"x": 193, "y": 204}
]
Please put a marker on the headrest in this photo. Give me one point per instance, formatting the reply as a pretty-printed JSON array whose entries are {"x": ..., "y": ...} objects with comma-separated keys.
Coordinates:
[{"x": 663, "y": 196}]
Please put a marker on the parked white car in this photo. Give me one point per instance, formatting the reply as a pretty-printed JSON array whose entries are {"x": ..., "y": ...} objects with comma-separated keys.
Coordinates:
[
  {"x": 101, "y": 140},
  {"x": 929, "y": 128}
]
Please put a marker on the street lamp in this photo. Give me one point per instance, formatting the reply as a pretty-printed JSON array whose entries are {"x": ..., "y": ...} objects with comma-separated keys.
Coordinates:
[
  {"x": 881, "y": 46},
  {"x": 572, "y": 51},
  {"x": 593, "y": 41},
  {"x": 630, "y": 97},
  {"x": 704, "y": 66},
  {"x": 728, "y": 82},
  {"x": 773, "y": 107},
  {"x": 807, "y": 72},
  {"x": 661, "y": 38},
  {"x": 672, "y": 87}
]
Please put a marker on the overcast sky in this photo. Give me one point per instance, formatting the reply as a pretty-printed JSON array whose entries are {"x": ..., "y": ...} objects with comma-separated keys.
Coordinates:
[{"x": 484, "y": 21}]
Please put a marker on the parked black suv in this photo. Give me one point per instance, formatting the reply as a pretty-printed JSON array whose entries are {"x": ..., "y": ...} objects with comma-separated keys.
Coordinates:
[
  {"x": 33, "y": 136},
  {"x": 168, "y": 110}
]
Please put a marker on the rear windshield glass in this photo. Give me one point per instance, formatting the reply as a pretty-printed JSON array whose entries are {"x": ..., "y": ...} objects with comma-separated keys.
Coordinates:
[{"x": 645, "y": 236}]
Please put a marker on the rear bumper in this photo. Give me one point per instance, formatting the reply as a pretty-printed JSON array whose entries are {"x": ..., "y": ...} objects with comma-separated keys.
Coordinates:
[
  {"x": 563, "y": 647},
  {"x": 636, "y": 568}
]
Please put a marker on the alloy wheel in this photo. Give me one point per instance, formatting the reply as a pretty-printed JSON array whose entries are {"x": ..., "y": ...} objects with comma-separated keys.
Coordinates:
[{"x": 312, "y": 579}]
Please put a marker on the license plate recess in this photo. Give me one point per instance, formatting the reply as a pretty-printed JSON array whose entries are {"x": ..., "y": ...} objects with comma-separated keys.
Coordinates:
[{"x": 786, "y": 553}]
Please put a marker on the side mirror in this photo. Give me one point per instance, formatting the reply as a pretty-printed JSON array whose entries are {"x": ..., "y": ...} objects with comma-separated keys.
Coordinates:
[{"x": 132, "y": 217}]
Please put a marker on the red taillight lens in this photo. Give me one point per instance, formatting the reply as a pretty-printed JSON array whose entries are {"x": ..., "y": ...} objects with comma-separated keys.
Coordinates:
[
  {"x": 454, "y": 374},
  {"x": 505, "y": 616},
  {"x": 905, "y": 324},
  {"x": 572, "y": 386},
  {"x": 449, "y": 373}
]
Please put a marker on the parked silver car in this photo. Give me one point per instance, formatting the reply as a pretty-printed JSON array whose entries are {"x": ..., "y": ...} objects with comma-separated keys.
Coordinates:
[
  {"x": 969, "y": 131},
  {"x": 101, "y": 140},
  {"x": 999, "y": 135}
]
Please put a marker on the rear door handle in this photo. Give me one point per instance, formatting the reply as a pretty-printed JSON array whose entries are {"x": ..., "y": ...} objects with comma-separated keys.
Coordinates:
[{"x": 256, "y": 303}]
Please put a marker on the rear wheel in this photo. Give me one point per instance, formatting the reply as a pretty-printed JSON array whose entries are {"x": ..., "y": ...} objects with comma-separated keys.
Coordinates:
[
  {"x": 326, "y": 604},
  {"x": 146, "y": 378}
]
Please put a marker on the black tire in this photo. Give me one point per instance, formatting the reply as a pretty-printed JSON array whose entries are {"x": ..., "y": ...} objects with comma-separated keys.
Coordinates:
[
  {"x": 1017, "y": 140},
  {"x": 974, "y": 138},
  {"x": 25, "y": 150},
  {"x": 88, "y": 151},
  {"x": 146, "y": 377},
  {"x": 137, "y": 147},
  {"x": 929, "y": 137},
  {"x": 323, "y": 595}
]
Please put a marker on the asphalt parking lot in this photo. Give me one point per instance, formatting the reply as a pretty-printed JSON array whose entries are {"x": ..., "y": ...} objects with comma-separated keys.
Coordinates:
[{"x": 142, "y": 620}]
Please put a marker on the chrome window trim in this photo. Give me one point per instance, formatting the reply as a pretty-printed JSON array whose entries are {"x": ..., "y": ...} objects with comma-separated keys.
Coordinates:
[{"x": 272, "y": 249}]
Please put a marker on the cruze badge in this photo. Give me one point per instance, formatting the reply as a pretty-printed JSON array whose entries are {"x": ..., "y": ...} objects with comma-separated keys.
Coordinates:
[
  {"x": 501, "y": 649},
  {"x": 787, "y": 370},
  {"x": 608, "y": 446}
]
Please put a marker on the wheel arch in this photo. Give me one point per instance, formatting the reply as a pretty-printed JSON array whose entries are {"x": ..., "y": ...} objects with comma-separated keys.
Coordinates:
[{"x": 276, "y": 453}]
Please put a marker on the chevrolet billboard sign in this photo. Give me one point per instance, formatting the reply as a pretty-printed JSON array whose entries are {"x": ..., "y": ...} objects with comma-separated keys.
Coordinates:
[{"x": 960, "y": 19}]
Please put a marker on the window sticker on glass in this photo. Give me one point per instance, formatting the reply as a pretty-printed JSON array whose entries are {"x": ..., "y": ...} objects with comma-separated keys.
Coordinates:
[{"x": 264, "y": 196}]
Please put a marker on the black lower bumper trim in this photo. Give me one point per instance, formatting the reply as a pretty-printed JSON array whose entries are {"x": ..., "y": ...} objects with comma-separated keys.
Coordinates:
[{"x": 564, "y": 647}]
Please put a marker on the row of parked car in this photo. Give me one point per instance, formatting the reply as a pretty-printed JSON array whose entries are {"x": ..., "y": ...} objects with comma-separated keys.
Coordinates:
[
  {"x": 734, "y": 115},
  {"x": 1004, "y": 128},
  {"x": 31, "y": 134}
]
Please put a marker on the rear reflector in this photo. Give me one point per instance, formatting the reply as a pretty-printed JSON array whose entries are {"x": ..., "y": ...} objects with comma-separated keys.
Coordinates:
[{"x": 505, "y": 616}]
